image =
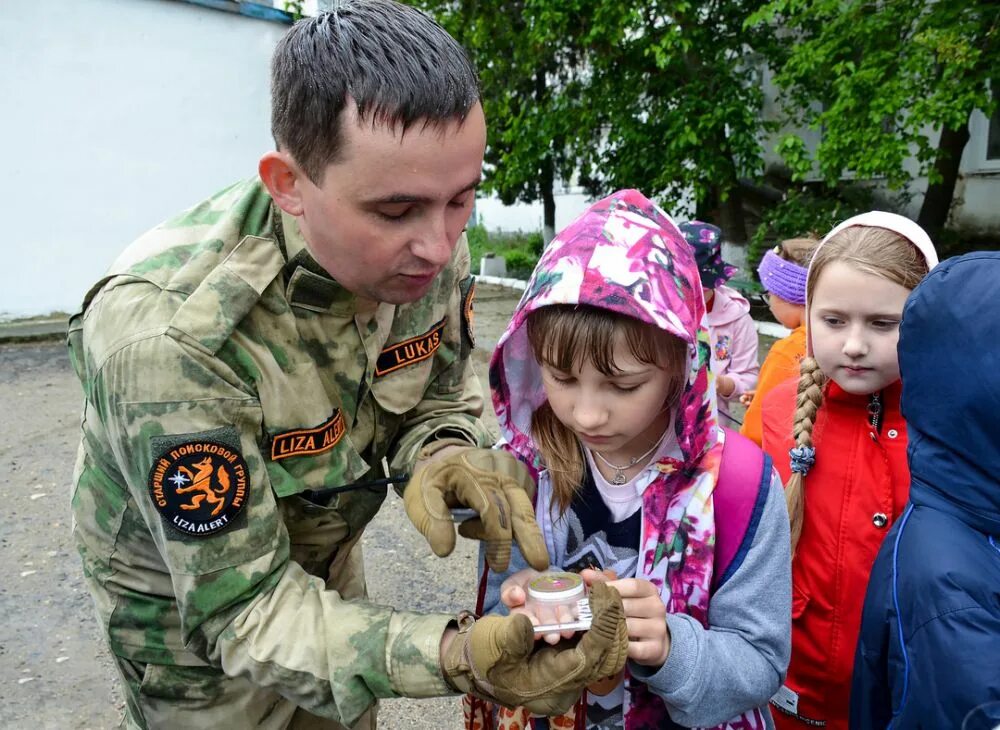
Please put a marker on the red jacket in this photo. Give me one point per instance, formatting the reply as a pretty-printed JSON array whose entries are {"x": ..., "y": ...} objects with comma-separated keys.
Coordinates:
[{"x": 853, "y": 494}]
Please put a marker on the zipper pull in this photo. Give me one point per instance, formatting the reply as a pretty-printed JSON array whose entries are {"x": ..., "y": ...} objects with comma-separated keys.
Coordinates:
[{"x": 875, "y": 412}]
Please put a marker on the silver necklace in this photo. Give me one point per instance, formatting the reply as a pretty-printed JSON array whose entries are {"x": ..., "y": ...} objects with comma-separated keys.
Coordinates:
[{"x": 619, "y": 478}]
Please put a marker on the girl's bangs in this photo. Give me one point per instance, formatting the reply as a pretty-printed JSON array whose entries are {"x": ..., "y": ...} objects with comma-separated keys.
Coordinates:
[{"x": 563, "y": 336}]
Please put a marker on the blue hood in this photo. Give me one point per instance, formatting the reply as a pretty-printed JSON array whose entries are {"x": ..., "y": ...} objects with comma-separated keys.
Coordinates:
[{"x": 950, "y": 367}]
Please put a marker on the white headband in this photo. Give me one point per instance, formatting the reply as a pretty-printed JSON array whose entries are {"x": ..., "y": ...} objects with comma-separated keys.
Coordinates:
[{"x": 891, "y": 222}]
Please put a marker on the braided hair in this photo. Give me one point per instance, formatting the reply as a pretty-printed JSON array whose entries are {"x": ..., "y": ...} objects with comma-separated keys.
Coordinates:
[{"x": 871, "y": 250}]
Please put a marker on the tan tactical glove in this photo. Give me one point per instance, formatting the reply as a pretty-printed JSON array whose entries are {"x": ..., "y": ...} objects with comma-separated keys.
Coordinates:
[
  {"x": 493, "y": 483},
  {"x": 494, "y": 658}
]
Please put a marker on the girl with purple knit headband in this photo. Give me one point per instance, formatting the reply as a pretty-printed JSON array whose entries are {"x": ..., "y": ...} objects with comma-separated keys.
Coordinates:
[{"x": 782, "y": 271}]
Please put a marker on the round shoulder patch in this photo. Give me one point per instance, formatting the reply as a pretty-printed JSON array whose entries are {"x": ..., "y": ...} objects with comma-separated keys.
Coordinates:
[
  {"x": 199, "y": 487},
  {"x": 468, "y": 313}
]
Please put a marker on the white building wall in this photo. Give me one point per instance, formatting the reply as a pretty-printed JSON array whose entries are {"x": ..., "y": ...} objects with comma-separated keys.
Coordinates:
[{"x": 116, "y": 115}]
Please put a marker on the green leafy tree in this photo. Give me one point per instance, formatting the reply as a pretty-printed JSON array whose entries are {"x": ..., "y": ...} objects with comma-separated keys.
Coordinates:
[
  {"x": 806, "y": 211},
  {"x": 886, "y": 83},
  {"x": 677, "y": 90},
  {"x": 660, "y": 96},
  {"x": 530, "y": 70},
  {"x": 294, "y": 8}
]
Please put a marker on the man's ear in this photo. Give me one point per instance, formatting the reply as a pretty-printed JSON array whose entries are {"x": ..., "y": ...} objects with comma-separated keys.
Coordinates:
[{"x": 281, "y": 176}]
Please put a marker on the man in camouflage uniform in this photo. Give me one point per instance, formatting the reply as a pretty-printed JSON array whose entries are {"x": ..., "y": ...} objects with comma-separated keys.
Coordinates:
[{"x": 291, "y": 336}]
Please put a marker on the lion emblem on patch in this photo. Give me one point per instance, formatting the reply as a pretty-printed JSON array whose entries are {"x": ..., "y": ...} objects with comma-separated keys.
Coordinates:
[{"x": 199, "y": 487}]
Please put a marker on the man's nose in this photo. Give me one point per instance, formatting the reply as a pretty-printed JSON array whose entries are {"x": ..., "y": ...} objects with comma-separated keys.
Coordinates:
[{"x": 434, "y": 245}]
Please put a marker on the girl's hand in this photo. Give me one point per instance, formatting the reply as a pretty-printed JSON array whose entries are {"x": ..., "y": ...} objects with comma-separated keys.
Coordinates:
[
  {"x": 593, "y": 575},
  {"x": 747, "y": 397},
  {"x": 514, "y": 592},
  {"x": 724, "y": 385},
  {"x": 646, "y": 618}
]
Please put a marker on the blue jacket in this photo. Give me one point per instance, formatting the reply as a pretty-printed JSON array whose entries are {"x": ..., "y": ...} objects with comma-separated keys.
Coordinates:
[{"x": 929, "y": 649}]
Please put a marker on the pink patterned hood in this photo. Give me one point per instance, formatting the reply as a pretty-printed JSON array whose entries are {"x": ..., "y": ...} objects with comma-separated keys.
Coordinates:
[{"x": 623, "y": 254}]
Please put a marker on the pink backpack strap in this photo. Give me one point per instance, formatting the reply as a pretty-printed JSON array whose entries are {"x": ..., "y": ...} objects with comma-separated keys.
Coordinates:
[{"x": 740, "y": 495}]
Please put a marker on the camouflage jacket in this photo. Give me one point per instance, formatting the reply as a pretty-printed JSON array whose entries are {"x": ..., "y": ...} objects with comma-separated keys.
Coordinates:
[{"x": 227, "y": 378}]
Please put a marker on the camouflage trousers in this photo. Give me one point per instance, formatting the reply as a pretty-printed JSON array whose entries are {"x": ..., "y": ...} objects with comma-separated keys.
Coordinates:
[{"x": 161, "y": 696}]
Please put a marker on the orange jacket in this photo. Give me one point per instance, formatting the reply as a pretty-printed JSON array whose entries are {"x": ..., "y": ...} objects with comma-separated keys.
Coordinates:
[
  {"x": 856, "y": 490},
  {"x": 781, "y": 363}
]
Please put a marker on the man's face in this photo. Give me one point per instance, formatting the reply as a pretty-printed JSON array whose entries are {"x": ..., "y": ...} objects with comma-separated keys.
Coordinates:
[
  {"x": 854, "y": 327},
  {"x": 389, "y": 212}
]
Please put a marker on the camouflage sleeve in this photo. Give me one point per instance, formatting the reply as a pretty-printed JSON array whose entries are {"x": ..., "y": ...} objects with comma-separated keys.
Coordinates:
[
  {"x": 453, "y": 402},
  {"x": 244, "y": 606}
]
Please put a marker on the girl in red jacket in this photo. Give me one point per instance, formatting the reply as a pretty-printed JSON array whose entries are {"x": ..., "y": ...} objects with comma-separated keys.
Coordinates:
[{"x": 840, "y": 424}]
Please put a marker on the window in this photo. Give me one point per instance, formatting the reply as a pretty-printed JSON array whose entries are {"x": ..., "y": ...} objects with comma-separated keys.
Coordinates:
[
  {"x": 984, "y": 140},
  {"x": 993, "y": 133}
]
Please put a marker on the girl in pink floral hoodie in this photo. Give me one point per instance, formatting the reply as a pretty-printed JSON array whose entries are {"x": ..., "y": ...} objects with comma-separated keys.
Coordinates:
[
  {"x": 602, "y": 387},
  {"x": 732, "y": 333}
]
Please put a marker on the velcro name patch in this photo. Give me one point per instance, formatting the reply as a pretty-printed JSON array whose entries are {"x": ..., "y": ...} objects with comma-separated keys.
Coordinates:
[
  {"x": 199, "y": 487},
  {"x": 410, "y": 351},
  {"x": 309, "y": 440}
]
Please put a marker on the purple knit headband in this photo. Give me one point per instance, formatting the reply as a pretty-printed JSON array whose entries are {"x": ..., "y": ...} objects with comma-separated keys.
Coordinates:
[{"x": 785, "y": 279}]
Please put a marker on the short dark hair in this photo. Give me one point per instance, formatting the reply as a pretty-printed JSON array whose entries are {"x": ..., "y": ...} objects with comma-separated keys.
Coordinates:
[{"x": 398, "y": 65}]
